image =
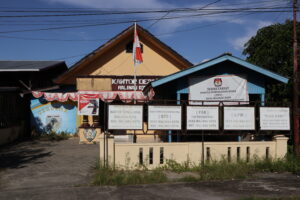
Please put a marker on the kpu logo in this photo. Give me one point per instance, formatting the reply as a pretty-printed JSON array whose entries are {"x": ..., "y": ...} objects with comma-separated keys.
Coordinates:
[{"x": 218, "y": 82}]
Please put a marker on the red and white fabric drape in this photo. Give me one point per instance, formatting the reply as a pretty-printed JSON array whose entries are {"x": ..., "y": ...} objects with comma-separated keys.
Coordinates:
[
  {"x": 56, "y": 96},
  {"x": 107, "y": 96}
]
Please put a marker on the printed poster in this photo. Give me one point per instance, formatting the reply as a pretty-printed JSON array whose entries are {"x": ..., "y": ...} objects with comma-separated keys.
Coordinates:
[
  {"x": 125, "y": 117},
  {"x": 202, "y": 118},
  {"x": 88, "y": 104},
  {"x": 239, "y": 118},
  {"x": 164, "y": 117},
  {"x": 274, "y": 118}
]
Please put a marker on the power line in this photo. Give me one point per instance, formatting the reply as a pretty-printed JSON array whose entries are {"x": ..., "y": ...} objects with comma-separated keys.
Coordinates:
[
  {"x": 141, "y": 12},
  {"x": 142, "y": 20},
  {"x": 151, "y": 25}
]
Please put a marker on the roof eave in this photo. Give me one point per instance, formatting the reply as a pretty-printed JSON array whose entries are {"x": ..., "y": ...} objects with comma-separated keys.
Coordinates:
[{"x": 217, "y": 60}]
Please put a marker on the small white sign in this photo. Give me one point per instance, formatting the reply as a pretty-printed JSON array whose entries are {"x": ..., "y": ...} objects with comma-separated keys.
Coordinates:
[
  {"x": 202, "y": 118},
  {"x": 164, "y": 117},
  {"x": 239, "y": 118},
  {"x": 125, "y": 117},
  {"x": 272, "y": 118}
]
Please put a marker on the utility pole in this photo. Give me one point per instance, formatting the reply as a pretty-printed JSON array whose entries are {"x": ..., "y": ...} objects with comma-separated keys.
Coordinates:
[{"x": 295, "y": 84}]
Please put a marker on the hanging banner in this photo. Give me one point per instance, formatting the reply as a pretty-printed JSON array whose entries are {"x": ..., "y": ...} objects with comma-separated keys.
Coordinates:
[
  {"x": 202, "y": 118},
  {"x": 272, "y": 118},
  {"x": 239, "y": 118},
  {"x": 164, "y": 117},
  {"x": 88, "y": 104},
  {"x": 218, "y": 88},
  {"x": 125, "y": 117}
]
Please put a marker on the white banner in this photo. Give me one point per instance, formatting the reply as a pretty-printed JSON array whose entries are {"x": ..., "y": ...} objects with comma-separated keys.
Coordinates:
[
  {"x": 218, "y": 88},
  {"x": 164, "y": 117},
  {"x": 239, "y": 118},
  {"x": 272, "y": 118},
  {"x": 202, "y": 118},
  {"x": 126, "y": 117}
]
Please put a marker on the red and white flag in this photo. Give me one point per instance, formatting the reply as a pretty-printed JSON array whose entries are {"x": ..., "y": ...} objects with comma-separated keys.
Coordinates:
[{"x": 137, "y": 51}]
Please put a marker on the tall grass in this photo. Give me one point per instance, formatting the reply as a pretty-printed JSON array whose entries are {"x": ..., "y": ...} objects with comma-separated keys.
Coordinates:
[
  {"x": 213, "y": 170},
  {"x": 110, "y": 176}
]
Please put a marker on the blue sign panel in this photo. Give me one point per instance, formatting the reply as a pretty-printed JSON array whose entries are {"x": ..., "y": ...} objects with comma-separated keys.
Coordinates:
[{"x": 54, "y": 116}]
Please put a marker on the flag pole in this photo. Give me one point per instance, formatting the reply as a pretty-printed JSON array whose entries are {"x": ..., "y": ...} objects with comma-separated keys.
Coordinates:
[{"x": 135, "y": 85}]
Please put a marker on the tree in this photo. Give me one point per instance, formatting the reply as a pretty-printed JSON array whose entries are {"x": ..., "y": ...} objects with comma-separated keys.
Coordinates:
[{"x": 272, "y": 49}]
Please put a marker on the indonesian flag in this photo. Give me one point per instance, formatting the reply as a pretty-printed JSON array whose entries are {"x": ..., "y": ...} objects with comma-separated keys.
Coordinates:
[{"x": 137, "y": 51}]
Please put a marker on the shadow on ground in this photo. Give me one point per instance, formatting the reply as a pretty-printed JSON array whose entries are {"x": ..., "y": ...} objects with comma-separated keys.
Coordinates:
[{"x": 17, "y": 155}]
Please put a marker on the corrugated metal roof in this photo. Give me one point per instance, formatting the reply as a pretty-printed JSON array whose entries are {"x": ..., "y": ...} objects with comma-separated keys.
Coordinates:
[{"x": 30, "y": 66}]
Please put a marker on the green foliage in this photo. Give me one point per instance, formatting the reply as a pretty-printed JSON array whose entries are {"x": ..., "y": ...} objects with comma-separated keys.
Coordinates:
[
  {"x": 53, "y": 136},
  {"x": 272, "y": 49},
  {"x": 221, "y": 170},
  {"x": 174, "y": 166},
  {"x": 110, "y": 176}
]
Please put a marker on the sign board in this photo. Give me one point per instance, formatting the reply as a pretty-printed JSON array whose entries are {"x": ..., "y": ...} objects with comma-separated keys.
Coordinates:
[
  {"x": 218, "y": 88},
  {"x": 128, "y": 83},
  {"x": 272, "y": 118},
  {"x": 88, "y": 104},
  {"x": 164, "y": 117},
  {"x": 202, "y": 118},
  {"x": 239, "y": 118},
  {"x": 125, "y": 117}
]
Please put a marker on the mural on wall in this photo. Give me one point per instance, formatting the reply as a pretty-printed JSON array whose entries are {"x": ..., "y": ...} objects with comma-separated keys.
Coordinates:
[{"x": 54, "y": 116}]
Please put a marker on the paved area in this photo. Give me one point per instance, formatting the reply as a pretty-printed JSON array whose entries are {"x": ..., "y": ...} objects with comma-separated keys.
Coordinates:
[
  {"x": 33, "y": 164},
  {"x": 61, "y": 170}
]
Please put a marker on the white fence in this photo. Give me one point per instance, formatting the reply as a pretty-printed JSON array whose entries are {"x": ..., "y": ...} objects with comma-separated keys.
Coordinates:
[{"x": 153, "y": 155}]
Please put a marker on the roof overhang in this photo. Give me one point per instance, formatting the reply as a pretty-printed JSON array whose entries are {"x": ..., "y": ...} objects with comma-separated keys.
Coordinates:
[{"x": 215, "y": 61}]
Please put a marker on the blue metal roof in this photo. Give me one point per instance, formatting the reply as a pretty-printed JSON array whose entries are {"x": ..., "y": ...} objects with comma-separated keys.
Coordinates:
[{"x": 225, "y": 57}]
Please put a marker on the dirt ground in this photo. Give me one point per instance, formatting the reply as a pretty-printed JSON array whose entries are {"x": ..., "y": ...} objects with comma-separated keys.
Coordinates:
[{"x": 63, "y": 170}]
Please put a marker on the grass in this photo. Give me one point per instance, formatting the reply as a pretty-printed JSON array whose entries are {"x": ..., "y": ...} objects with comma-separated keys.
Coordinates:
[
  {"x": 110, "y": 176},
  {"x": 53, "y": 136},
  {"x": 221, "y": 170}
]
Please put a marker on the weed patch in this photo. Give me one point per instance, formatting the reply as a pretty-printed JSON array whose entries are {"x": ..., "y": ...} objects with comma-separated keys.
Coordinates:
[
  {"x": 53, "y": 136},
  {"x": 221, "y": 170},
  {"x": 110, "y": 176}
]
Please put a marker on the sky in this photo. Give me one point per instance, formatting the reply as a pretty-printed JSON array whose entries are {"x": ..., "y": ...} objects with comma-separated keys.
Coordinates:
[{"x": 196, "y": 35}]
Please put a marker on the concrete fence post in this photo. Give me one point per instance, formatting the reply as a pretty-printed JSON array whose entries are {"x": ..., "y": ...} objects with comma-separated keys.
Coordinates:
[
  {"x": 281, "y": 146},
  {"x": 107, "y": 149}
]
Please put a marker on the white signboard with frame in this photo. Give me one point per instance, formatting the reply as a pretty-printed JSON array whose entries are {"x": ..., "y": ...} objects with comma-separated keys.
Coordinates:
[
  {"x": 239, "y": 118},
  {"x": 202, "y": 118},
  {"x": 164, "y": 117},
  {"x": 274, "y": 118},
  {"x": 125, "y": 117},
  {"x": 218, "y": 88}
]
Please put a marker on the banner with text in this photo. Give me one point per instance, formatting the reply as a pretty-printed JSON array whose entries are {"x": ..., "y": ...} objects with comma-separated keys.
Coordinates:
[
  {"x": 218, "y": 88},
  {"x": 202, "y": 118},
  {"x": 239, "y": 118},
  {"x": 88, "y": 104},
  {"x": 272, "y": 118},
  {"x": 125, "y": 117},
  {"x": 164, "y": 117}
]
